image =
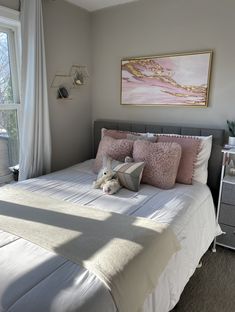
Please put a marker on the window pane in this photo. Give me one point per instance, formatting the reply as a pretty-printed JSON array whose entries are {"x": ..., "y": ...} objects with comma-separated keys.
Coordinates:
[
  {"x": 6, "y": 92},
  {"x": 9, "y": 129}
]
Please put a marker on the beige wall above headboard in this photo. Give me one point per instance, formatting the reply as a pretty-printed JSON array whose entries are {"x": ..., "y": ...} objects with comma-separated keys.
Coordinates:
[{"x": 153, "y": 27}]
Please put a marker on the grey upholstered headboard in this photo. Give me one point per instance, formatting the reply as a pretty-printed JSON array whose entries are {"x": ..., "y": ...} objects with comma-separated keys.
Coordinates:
[{"x": 214, "y": 166}]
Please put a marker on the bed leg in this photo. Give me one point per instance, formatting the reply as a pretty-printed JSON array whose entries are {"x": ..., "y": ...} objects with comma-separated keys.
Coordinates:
[
  {"x": 214, "y": 246},
  {"x": 199, "y": 265}
]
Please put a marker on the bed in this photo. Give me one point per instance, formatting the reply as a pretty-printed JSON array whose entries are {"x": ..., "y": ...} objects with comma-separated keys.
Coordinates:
[{"x": 35, "y": 279}]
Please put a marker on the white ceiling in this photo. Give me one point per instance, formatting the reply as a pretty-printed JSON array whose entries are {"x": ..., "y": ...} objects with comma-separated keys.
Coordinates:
[{"x": 93, "y": 5}]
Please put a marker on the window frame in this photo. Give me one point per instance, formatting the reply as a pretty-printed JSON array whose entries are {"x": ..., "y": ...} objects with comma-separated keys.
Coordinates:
[
  {"x": 13, "y": 65},
  {"x": 10, "y": 24}
]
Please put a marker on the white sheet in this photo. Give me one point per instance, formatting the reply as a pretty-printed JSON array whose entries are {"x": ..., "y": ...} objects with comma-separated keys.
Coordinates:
[{"x": 188, "y": 210}]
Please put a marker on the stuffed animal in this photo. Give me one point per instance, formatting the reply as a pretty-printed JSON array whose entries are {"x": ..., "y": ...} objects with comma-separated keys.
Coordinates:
[
  {"x": 107, "y": 179},
  {"x": 129, "y": 159}
]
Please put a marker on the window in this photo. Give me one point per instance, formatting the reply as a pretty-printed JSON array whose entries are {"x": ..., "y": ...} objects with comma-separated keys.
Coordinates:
[{"x": 9, "y": 88}]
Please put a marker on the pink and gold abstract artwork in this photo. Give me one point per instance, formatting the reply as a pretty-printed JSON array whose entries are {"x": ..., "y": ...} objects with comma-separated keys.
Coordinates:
[{"x": 175, "y": 80}]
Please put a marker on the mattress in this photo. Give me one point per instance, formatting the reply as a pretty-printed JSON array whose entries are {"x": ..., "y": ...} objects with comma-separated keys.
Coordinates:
[{"x": 34, "y": 279}]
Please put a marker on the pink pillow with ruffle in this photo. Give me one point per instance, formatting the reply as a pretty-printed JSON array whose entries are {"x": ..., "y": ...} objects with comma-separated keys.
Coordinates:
[
  {"x": 117, "y": 149},
  {"x": 190, "y": 150},
  {"x": 161, "y": 162}
]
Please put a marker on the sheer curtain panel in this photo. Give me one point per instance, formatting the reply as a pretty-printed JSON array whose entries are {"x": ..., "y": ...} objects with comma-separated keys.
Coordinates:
[{"x": 35, "y": 143}]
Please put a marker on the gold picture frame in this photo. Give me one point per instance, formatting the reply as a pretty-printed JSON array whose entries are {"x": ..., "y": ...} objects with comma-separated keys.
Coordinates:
[{"x": 169, "y": 80}]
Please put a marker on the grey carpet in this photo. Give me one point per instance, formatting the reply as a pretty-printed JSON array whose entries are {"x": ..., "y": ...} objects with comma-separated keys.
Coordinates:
[{"x": 212, "y": 287}]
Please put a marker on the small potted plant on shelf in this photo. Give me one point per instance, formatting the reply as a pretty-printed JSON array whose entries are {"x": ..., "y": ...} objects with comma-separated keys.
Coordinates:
[{"x": 231, "y": 129}]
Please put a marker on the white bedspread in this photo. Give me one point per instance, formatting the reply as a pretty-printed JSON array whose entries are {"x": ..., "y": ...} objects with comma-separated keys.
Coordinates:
[{"x": 27, "y": 271}]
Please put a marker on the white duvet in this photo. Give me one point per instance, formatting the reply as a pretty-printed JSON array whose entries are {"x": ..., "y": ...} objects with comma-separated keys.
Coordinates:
[{"x": 33, "y": 279}]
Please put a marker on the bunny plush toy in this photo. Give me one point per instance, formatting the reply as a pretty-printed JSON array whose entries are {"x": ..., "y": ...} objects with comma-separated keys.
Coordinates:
[{"x": 107, "y": 179}]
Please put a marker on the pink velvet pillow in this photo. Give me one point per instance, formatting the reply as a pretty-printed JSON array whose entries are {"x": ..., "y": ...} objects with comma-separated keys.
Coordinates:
[
  {"x": 190, "y": 150},
  {"x": 161, "y": 162},
  {"x": 116, "y": 149},
  {"x": 116, "y": 134}
]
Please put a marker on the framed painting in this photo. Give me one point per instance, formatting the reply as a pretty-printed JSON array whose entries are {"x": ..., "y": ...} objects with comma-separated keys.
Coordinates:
[{"x": 167, "y": 80}]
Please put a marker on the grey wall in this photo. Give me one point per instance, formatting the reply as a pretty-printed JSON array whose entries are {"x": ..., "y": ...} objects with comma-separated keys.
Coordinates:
[
  {"x": 67, "y": 42},
  {"x": 12, "y": 4},
  {"x": 152, "y": 27}
]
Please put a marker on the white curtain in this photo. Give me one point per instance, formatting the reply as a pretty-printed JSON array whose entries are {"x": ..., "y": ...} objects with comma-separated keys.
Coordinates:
[{"x": 35, "y": 143}]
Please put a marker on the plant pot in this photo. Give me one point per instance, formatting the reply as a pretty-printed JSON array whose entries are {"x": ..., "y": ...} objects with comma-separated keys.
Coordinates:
[{"x": 231, "y": 140}]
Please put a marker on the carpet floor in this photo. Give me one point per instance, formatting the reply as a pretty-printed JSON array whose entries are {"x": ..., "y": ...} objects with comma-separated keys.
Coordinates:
[{"x": 212, "y": 287}]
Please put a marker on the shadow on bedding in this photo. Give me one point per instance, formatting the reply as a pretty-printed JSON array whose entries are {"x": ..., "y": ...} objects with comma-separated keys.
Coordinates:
[
  {"x": 55, "y": 285},
  {"x": 39, "y": 224}
]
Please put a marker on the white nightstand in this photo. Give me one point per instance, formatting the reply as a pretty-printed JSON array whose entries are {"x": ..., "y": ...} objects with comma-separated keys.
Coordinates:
[{"x": 226, "y": 204}]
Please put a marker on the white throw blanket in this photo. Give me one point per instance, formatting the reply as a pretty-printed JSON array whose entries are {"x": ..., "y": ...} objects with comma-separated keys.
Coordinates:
[{"x": 127, "y": 253}]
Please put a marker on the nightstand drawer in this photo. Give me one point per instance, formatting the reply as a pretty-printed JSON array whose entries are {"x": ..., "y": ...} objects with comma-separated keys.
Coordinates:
[
  {"x": 227, "y": 239},
  {"x": 228, "y": 194},
  {"x": 227, "y": 214}
]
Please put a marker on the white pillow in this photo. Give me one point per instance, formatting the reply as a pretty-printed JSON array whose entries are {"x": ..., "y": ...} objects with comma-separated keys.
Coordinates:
[
  {"x": 200, "y": 173},
  {"x": 201, "y": 166}
]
